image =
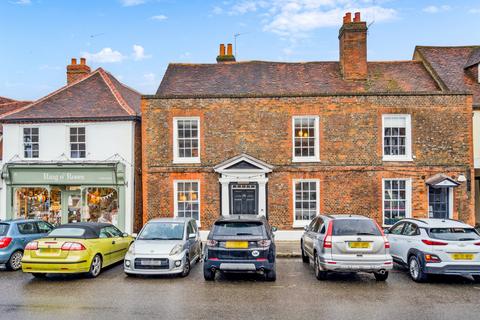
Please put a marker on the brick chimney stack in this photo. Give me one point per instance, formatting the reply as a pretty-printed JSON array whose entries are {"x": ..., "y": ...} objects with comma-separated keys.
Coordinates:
[
  {"x": 353, "y": 47},
  {"x": 76, "y": 72},
  {"x": 225, "y": 57}
]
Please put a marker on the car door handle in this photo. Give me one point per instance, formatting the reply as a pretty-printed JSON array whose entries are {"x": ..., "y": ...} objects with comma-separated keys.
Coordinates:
[{"x": 113, "y": 242}]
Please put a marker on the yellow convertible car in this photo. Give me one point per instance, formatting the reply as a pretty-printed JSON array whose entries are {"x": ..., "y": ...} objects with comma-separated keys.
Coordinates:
[{"x": 84, "y": 247}]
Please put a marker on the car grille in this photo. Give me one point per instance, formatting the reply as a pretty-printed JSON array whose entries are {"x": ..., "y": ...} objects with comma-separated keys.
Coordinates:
[{"x": 145, "y": 263}]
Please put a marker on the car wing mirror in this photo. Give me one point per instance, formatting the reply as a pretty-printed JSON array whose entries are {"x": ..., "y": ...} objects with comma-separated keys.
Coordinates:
[
  {"x": 305, "y": 228},
  {"x": 192, "y": 236},
  {"x": 124, "y": 235},
  {"x": 274, "y": 229},
  {"x": 386, "y": 231}
]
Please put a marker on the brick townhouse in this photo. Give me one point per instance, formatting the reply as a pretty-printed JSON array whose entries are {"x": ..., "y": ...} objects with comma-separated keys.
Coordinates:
[
  {"x": 458, "y": 68},
  {"x": 291, "y": 140}
]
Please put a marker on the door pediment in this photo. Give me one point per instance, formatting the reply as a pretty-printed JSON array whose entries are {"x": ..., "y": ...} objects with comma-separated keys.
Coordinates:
[{"x": 243, "y": 163}]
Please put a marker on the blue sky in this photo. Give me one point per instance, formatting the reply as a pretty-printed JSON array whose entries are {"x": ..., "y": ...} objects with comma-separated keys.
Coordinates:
[{"x": 136, "y": 39}]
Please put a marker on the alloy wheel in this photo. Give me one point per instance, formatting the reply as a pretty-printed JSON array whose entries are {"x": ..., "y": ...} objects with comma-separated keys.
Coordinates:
[
  {"x": 16, "y": 260},
  {"x": 414, "y": 268},
  {"x": 96, "y": 265}
]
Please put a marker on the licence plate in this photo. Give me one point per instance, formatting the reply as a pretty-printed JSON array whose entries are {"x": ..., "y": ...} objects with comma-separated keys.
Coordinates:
[
  {"x": 151, "y": 262},
  {"x": 236, "y": 245},
  {"x": 462, "y": 256},
  {"x": 359, "y": 245},
  {"x": 48, "y": 250}
]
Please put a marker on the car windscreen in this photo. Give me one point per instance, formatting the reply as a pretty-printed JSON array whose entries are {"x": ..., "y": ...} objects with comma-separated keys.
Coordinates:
[
  {"x": 66, "y": 233},
  {"x": 162, "y": 231},
  {"x": 3, "y": 229},
  {"x": 454, "y": 234},
  {"x": 355, "y": 227},
  {"x": 241, "y": 228}
]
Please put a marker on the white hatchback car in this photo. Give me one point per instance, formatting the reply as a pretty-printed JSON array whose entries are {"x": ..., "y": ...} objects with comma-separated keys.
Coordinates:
[
  {"x": 346, "y": 243},
  {"x": 435, "y": 246}
]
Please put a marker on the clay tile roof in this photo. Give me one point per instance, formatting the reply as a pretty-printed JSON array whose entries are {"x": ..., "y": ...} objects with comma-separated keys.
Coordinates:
[
  {"x": 99, "y": 96},
  {"x": 473, "y": 59},
  {"x": 278, "y": 78},
  {"x": 449, "y": 63}
]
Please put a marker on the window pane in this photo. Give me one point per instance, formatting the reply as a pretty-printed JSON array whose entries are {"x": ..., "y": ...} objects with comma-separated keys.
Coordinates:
[
  {"x": 305, "y": 200},
  {"x": 304, "y": 137}
]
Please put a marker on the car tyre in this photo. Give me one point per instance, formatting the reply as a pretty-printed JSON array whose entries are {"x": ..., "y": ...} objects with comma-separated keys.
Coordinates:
[
  {"x": 15, "y": 261},
  {"x": 305, "y": 258},
  {"x": 319, "y": 274},
  {"x": 39, "y": 275},
  {"x": 415, "y": 270},
  {"x": 186, "y": 268},
  {"x": 380, "y": 276},
  {"x": 95, "y": 266},
  {"x": 476, "y": 279},
  {"x": 271, "y": 275},
  {"x": 208, "y": 275}
]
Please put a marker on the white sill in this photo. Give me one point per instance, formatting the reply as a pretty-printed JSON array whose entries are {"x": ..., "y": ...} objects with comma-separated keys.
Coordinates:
[
  {"x": 297, "y": 160},
  {"x": 402, "y": 159},
  {"x": 301, "y": 224},
  {"x": 186, "y": 161}
]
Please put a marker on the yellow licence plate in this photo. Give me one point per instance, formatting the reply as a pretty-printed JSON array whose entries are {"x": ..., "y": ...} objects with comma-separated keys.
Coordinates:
[
  {"x": 236, "y": 245},
  {"x": 462, "y": 256},
  {"x": 359, "y": 245}
]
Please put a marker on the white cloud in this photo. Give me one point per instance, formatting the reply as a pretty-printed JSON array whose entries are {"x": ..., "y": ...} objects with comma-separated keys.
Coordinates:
[
  {"x": 23, "y": 2},
  {"x": 474, "y": 10},
  {"x": 106, "y": 55},
  {"x": 159, "y": 17},
  {"x": 139, "y": 53},
  {"x": 297, "y": 18},
  {"x": 130, "y": 3},
  {"x": 436, "y": 9}
]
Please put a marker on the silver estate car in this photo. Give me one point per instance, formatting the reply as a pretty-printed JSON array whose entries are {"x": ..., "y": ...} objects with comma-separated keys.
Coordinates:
[
  {"x": 346, "y": 243},
  {"x": 164, "y": 246}
]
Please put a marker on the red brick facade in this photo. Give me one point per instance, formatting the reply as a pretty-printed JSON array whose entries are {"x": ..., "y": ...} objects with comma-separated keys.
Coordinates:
[{"x": 350, "y": 170}]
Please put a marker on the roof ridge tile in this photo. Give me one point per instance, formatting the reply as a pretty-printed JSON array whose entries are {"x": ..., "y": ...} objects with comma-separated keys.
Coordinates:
[{"x": 118, "y": 96}]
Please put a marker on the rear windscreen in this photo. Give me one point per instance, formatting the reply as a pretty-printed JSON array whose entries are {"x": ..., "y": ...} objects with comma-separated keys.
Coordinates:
[
  {"x": 3, "y": 229},
  {"x": 238, "y": 229},
  {"x": 66, "y": 233},
  {"x": 355, "y": 227},
  {"x": 454, "y": 234}
]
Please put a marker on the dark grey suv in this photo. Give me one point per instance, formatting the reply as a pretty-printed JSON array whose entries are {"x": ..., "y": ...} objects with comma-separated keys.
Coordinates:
[{"x": 240, "y": 244}]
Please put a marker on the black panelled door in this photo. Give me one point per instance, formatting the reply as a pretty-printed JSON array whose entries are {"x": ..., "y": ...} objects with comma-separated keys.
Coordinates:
[{"x": 244, "y": 199}]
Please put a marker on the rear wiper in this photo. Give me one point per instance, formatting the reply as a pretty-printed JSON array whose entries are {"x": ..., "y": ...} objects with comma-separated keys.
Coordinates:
[
  {"x": 244, "y": 234},
  {"x": 365, "y": 234}
]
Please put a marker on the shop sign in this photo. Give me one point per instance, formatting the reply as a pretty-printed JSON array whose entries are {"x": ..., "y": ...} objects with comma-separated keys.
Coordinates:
[{"x": 62, "y": 176}]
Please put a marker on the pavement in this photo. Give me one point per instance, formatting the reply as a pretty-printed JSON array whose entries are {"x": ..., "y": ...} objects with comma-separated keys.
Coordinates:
[
  {"x": 295, "y": 295},
  {"x": 288, "y": 249}
]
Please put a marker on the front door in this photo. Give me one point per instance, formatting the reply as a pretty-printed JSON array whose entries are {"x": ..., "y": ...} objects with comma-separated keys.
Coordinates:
[
  {"x": 71, "y": 206},
  {"x": 438, "y": 203},
  {"x": 244, "y": 199}
]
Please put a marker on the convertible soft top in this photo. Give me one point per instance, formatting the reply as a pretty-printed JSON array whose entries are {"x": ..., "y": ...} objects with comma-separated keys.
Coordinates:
[{"x": 92, "y": 229}]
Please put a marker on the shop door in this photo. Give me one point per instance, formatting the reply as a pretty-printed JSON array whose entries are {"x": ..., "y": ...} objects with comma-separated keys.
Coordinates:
[
  {"x": 438, "y": 203},
  {"x": 71, "y": 205}
]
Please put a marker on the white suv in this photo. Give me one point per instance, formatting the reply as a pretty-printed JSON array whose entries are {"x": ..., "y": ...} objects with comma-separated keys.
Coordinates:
[{"x": 435, "y": 246}]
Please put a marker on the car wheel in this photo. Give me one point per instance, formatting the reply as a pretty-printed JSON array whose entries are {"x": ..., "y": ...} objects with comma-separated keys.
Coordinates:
[
  {"x": 305, "y": 258},
  {"x": 15, "y": 261},
  {"x": 208, "y": 274},
  {"x": 39, "y": 275},
  {"x": 320, "y": 274},
  {"x": 476, "y": 279},
  {"x": 186, "y": 268},
  {"x": 381, "y": 276},
  {"x": 415, "y": 270},
  {"x": 95, "y": 267},
  {"x": 271, "y": 275}
]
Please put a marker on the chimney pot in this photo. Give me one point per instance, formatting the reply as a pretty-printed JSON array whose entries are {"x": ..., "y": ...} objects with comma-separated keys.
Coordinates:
[
  {"x": 76, "y": 72},
  {"x": 347, "y": 18},
  {"x": 229, "y": 49},
  {"x": 222, "y": 50},
  {"x": 357, "y": 17},
  {"x": 83, "y": 61},
  {"x": 74, "y": 61}
]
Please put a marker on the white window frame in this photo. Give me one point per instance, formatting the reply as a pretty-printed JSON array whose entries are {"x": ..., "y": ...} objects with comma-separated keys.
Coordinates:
[
  {"x": 69, "y": 142},
  {"x": 302, "y": 223},
  {"x": 176, "y": 157},
  {"x": 22, "y": 143},
  {"x": 408, "y": 198},
  {"x": 175, "y": 198},
  {"x": 408, "y": 138},
  {"x": 316, "y": 157}
]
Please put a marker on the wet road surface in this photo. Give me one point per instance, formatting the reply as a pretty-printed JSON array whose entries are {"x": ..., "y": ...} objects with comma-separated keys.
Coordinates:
[{"x": 295, "y": 295}]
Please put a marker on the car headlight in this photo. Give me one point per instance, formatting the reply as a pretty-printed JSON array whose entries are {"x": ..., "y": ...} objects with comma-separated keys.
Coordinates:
[
  {"x": 176, "y": 250},
  {"x": 131, "y": 250}
]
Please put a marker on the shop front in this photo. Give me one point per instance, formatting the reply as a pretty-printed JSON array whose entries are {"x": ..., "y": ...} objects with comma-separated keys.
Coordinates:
[{"x": 65, "y": 192}]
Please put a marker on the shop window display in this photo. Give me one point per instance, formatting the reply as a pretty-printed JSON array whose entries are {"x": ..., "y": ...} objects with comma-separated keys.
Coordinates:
[
  {"x": 32, "y": 203},
  {"x": 101, "y": 205}
]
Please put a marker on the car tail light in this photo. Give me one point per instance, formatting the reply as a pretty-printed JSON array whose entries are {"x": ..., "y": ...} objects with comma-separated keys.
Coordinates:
[
  {"x": 327, "y": 242},
  {"x": 212, "y": 243},
  {"x": 385, "y": 239},
  {"x": 431, "y": 258},
  {"x": 264, "y": 243},
  {"x": 32, "y": 245},
  {"x": 73, "y": 246},
  {"x": 434, "y": 243},
  {"x": 5, "y": 242},
  {"x": 477, "y": 244}
]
